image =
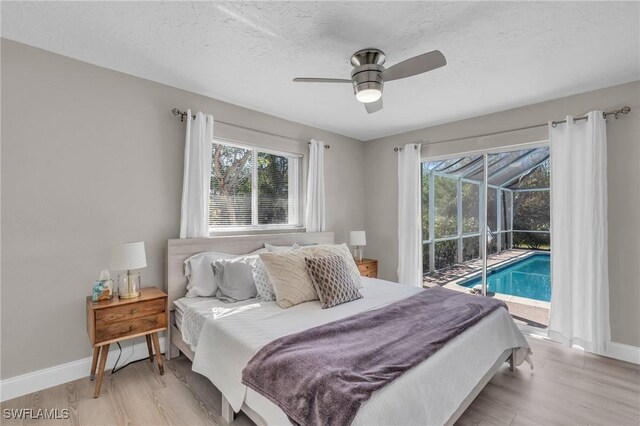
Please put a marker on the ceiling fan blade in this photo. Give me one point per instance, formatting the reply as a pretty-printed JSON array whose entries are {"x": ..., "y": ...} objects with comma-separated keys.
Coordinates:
[
  {"x": 416, "y": 65},
  {"x": 374, "y": 106},
  {"x": 321, "y": 80}
]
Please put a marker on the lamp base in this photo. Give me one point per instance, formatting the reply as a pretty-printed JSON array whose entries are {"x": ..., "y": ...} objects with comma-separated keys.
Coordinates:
[
  {"x": 129, "y": 295},
  {"x": 128, "y": 285},
  {"x": 359, "y": 254}
]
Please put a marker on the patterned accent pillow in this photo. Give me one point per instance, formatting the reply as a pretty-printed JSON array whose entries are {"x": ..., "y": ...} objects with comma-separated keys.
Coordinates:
[
  {"x": 263, "y": 284},
  {"x": 332, "y": 280},
  {"x": 288, "y": 274},
  {"x": 337, "y": 249}
]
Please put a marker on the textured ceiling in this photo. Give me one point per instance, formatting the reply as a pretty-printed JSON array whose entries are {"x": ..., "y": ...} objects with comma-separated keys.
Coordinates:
[{"x": 500, "y": 55}]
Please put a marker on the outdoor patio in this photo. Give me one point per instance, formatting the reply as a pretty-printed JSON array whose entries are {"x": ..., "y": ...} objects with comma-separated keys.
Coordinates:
[{"x": 522, "y": 313}]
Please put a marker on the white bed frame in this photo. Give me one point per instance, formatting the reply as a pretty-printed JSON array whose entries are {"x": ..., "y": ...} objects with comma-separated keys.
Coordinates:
[{"x": 180, "y": 250}]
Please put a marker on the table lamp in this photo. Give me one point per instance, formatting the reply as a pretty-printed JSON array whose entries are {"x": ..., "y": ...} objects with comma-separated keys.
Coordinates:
[
  {"x": 125, "y": 257},
  {"x": 358, "y": 239}
]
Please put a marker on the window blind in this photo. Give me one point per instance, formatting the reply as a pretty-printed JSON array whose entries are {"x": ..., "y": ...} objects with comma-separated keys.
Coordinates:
[{"x": 250, "y": 187}]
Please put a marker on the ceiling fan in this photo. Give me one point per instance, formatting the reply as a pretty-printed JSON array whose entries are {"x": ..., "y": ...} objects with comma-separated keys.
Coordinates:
[{"x": 368, "y": 75}]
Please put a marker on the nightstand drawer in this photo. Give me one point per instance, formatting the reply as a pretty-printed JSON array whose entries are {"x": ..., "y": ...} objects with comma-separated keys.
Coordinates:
[
  {"x": 367, "y": 267},
  {"x": 130, "y": 311},
  {"x": 371, "y": 274},
  {"x": 115, "y": 330}
]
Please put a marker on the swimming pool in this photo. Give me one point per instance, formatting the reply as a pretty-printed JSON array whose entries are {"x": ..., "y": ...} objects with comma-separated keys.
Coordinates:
[{"x": 529, "y": 277}]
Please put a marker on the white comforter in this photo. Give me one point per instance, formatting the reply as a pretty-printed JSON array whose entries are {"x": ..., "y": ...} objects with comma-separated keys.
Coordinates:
[{"x": 428, "y": 394}]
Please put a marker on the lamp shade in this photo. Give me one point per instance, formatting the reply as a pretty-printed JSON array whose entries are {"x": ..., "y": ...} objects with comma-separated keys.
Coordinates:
[
  {"x": 128, "y": 256},
  {"x": 358, "y": 238}
]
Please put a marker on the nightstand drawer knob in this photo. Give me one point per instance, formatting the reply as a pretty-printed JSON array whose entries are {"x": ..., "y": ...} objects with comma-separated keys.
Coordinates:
[
  {"x": 133, "y": 311},
  {"x": 131, "y": 328}
]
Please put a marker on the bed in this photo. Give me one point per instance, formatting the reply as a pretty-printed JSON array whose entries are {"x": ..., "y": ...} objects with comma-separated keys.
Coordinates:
[{"x": 220, "y": 339}]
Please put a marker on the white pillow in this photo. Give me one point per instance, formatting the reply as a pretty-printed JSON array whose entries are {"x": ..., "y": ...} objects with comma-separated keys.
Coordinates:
[
  {"x": 198, "y": 271},
  {"x": 264, "y": 288},
  {"x": 280, "y": 249}
]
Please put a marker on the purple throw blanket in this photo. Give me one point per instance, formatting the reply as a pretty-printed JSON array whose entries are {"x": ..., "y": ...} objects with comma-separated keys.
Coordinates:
[{"x": 321, "y": 376}]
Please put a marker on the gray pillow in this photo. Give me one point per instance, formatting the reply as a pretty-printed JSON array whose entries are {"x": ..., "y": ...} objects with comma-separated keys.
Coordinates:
[
  {"x": 197, "y": 269},
  {"x": 332, "y": 280},
  {"x": 234, "y": 278}
]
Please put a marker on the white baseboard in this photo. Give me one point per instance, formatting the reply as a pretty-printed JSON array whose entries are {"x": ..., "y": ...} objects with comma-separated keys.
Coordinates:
[
  {"x": 623, "y": 352},
  {"x": 70, "y": 371}
]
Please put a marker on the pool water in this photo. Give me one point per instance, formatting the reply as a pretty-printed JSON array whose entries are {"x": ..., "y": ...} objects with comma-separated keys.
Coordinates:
[{"x": 530, "y": 278}]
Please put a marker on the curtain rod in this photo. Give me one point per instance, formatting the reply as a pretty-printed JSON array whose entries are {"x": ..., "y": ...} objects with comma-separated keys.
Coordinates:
[
  {"x": 183, "y": 114},
  {"x": 616, "y": 113}
]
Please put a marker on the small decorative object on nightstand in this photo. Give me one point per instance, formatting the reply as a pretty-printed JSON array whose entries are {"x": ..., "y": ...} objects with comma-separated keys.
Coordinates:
[
  {"x": 103, "y": 287},
  {"x": 114, "y": 320},
  {"x": 368, "y": 267},
  {"x": 125, "y": 257},
  {"x": 358, "y": 239}
]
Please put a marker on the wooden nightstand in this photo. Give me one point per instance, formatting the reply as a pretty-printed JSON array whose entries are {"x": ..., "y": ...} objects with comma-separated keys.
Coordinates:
[
  {"x": 114, "y": 320},
  {"x": 368, "y": 268}
]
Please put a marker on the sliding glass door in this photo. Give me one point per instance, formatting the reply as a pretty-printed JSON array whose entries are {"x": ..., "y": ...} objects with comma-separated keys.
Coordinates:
[{"x": 486, "y": 228}]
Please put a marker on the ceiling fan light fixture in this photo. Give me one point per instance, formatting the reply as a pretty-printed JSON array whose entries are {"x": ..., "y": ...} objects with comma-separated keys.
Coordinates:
[
  {"x": 367, "y": 96},
  {"x": 369, "y": 75}
]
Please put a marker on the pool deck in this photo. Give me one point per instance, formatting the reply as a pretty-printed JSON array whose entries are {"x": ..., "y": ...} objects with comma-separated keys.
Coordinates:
[{"x": 525, "y": 311}]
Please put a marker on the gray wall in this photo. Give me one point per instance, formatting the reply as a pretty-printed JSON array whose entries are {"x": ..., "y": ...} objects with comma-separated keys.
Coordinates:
[
  {"x": 90, "y": 157},
  {"x": 381, "y": 215}
]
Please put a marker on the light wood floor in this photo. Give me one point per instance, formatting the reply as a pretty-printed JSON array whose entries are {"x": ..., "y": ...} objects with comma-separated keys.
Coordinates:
[{"x": 566, "y": 387}]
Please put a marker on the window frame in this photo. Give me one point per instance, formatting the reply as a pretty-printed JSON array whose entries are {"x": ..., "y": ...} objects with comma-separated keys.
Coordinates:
[{"x": 295, "y": 190}]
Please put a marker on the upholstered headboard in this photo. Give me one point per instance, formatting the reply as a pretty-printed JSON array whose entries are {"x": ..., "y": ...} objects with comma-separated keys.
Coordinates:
[{"x": 180, "y": 250}]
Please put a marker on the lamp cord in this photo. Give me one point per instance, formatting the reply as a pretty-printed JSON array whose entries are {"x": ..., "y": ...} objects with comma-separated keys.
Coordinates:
[{"x": 115, "y": 368}]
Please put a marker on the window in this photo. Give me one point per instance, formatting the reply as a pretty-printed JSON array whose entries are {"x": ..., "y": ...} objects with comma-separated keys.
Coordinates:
[{"x": 253, "y": 188}]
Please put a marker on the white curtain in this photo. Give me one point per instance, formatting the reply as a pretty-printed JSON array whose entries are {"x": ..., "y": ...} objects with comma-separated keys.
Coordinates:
[
  {"x": 315, "y": 221},
  {"x": 194, "y": 218},
  {"x": 579, "y": 261},
  {"x": 409, "y": 221}
]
